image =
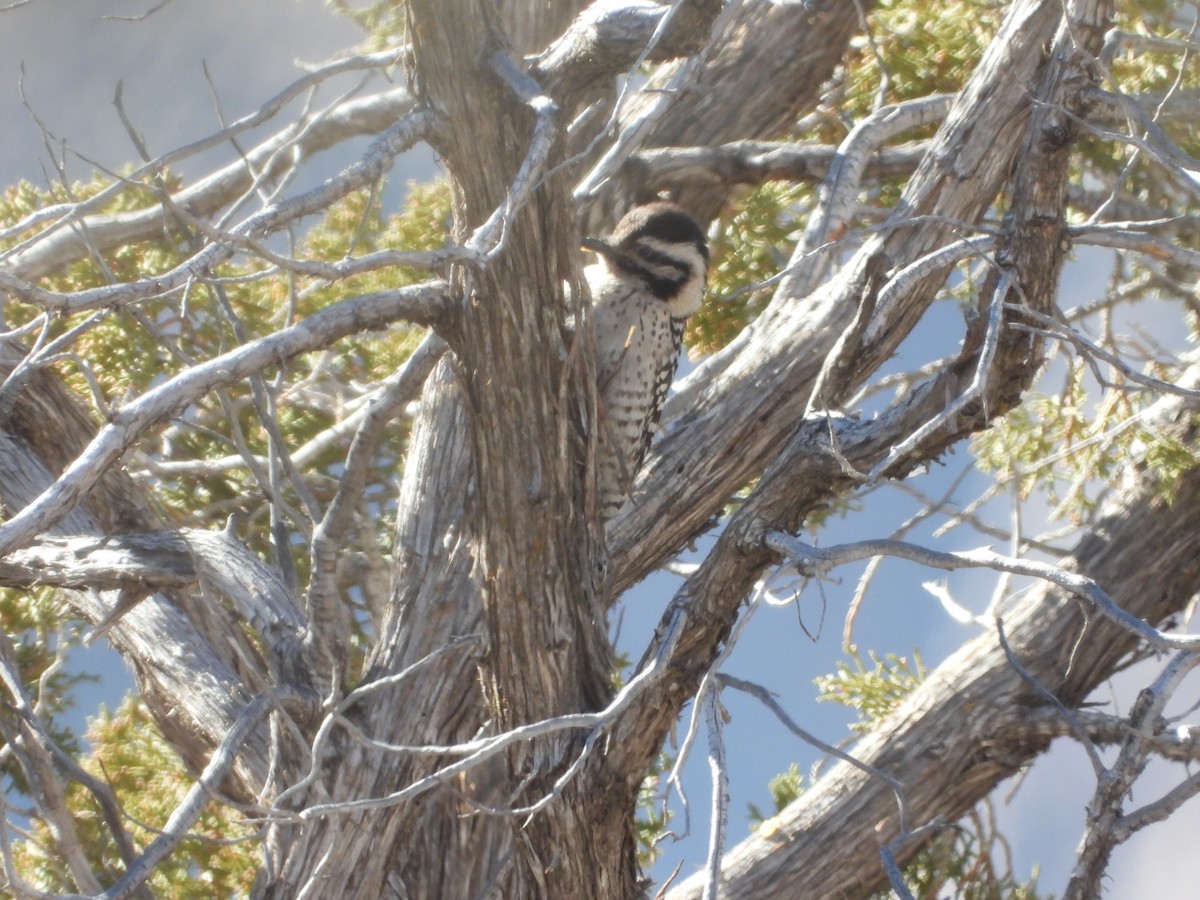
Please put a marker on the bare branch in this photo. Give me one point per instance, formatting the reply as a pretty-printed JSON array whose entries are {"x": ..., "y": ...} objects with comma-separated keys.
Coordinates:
[
  {"x": 635, "y": 132},
  {"x": 1057, "y": 330},
  {"x": 323, "y": 600},
  {"x": 818, "y": 561},
  {"x": 189, "y": 809},
  {"x": 48, "y": 790},
  {"x": 150, "y": 561},
  {"x": 808, "y": 268},
  {"x": 757, "y": 162},
  {"x": 364, "y": 116},
  {"x": 973, "y": 393},
  {"x": 422, "y": 303},
  {"x": 1106, "y": 827},
  {"x": 378, "y": 158},
  {"x": 610, "y": 38},
  {"x": 1133, "y": 236},
  {"x": 1179, "y": 744},
  {"x": 719, "y": 819},
  {"x": 1158, "y": 810},
  {"x": 489, "y": 238}
]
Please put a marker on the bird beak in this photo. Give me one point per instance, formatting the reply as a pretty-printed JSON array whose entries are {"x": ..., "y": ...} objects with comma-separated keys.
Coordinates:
[
  {"x": 597, "y": 245},
  {"x": 610, "y": 253}
]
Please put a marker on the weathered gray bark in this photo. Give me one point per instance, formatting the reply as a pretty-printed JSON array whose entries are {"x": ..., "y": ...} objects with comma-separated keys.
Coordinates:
[
  {"x": 990, "y": 130},
  {"x": 975, "y": 720},
  {"x": 438, "y": 599},
  {"x": 763, "y": 71}
]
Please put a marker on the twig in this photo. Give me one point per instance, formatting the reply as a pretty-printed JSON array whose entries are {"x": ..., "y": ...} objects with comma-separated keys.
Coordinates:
[
  {"x": 1067, "y": 714},
  {"x": 935, "y": 261},
  {"x": 374, "y": 162},
  {"x": 817, "y": 561},
  {"x": 189, "y": 809},
  {"x": 1057, "y": 331},
  {"x": 423, "y": 302},
  {"x": 489, "y": 238},
  {"x": 765, "y": 697},
  {"x": 71, "y": 212},
  {"x": 1106, "y": 826},
  {"x": 675, "y": 777},
  {"x": 720, "y": 794},
  {"x": 333, "y": 716},
  {"x": 975, "y": 389}
]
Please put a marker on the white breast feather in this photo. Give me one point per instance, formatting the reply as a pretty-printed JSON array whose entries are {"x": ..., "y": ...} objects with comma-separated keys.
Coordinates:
[{"x": 636, "y": 359}]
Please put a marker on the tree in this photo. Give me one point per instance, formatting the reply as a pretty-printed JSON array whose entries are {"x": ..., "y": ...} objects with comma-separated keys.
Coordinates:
[{"x": 420, "y": 699}]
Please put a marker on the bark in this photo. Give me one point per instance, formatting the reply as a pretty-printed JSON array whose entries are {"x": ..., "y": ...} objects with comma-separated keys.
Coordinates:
[
  {"x": 500, "y": 431},
  {"x": 195, "y": 693},
  {"x": 726, "y": 422},
  {"x": 437, "y": 598},
  {"x": 973, "y": 721},
  {"x": 764, "y": 70}
]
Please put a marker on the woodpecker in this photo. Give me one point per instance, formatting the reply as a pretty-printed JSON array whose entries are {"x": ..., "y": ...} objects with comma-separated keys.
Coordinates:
[{"x": 650, "y": 277}]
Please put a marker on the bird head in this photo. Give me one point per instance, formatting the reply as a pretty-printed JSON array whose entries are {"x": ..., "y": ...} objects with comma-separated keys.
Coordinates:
[{"x": 662, "y": 246}]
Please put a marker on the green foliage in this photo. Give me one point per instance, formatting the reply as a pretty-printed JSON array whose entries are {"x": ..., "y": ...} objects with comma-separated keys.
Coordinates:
[
  {"x": 150, "y": 781},
  {"x": 383, "y": 20},
  {"x": 969, "y": 863},
  {"x": 919, "y": 53},
  {"x": 784, "y": 788},
  {"x": 652, "y": 816},
  {"x": 41, "y": 640},
  {"x": 1070, "y": 453},
  {"x": 871, "y": 691},
  {"x": 746, "y": 251},
  {"x": 1148, "y": 71}
]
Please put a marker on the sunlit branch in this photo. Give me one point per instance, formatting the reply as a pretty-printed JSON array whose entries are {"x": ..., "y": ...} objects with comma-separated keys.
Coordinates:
[
  {"x": 842, "y": 185},
  {"x": 819, "y": 561},
  {"x": 424, "y": 303},
  {"x": 378, "y": 159}
]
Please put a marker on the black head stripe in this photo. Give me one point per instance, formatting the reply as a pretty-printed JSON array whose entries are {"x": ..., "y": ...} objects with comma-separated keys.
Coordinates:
[
  {"x": 663, "y": 280},
  {"x": 641, "y": 246},
  {"x": 662, "y": 221},
  {"x": 658, "y": 259}
]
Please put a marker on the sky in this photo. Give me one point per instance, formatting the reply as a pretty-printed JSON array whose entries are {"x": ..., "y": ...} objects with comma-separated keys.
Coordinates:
[
  {"x": 69, "y": 59},
  {"x": 73, "y": 54}
]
